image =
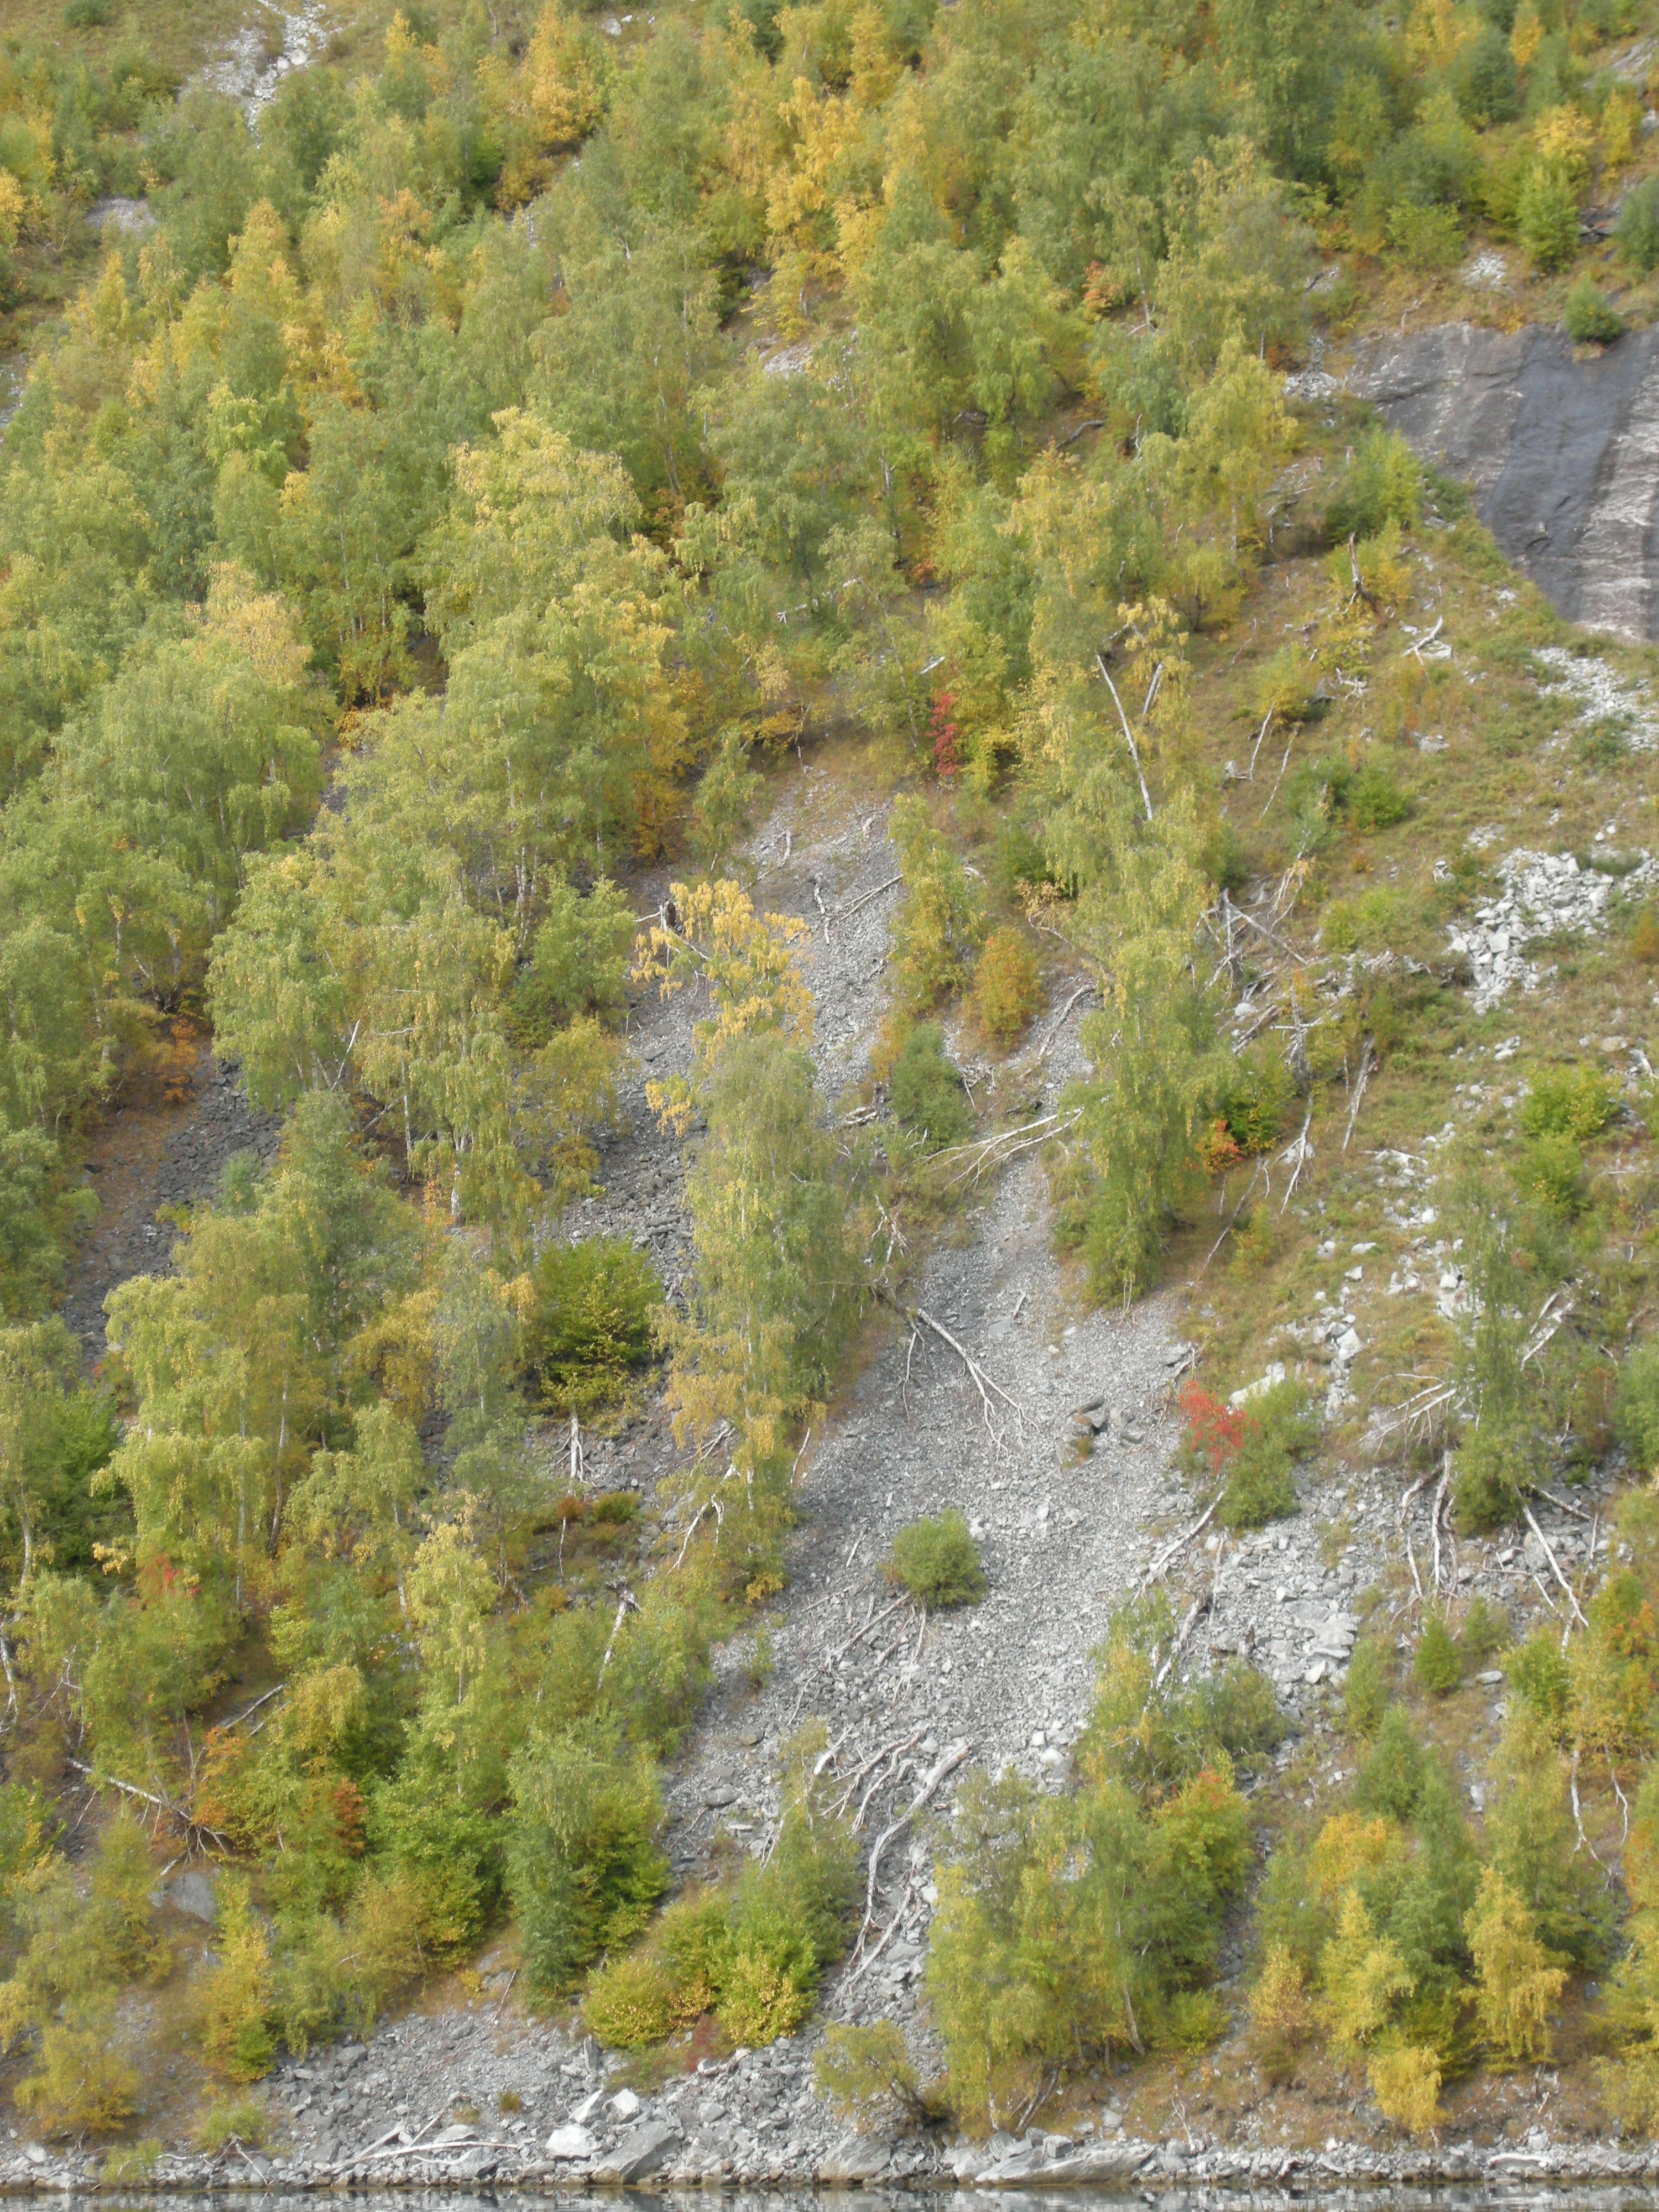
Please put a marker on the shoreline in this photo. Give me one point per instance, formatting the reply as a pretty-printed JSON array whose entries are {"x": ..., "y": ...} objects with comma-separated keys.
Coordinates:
[{"x": 1133, "y": 2171}]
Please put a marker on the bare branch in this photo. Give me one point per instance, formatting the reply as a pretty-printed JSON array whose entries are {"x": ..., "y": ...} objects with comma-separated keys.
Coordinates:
[
  {"x": 1367, "y": 1065},
  {"x": 1134, "y": 755},
  {"x": 1555, "y": 1565},
  {"x": 947, "y": 1764},
  {"x": 1180, "y": 1544}
]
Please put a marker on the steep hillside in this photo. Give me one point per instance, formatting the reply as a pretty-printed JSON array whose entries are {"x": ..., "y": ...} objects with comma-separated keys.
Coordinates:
[{"x": 827, "y": 1114}]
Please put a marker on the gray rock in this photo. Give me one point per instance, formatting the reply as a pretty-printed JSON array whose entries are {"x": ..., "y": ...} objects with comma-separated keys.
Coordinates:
[
  {"x": 855, "y": 2158},
  {"x": 641, "y": 2151},
  {"x": 1108, "y": 2165},
  {"x": 193, "y": 1893}
]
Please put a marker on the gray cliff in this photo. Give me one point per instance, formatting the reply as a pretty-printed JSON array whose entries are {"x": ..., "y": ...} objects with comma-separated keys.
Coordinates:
[{"x": 1560, "y": 446}]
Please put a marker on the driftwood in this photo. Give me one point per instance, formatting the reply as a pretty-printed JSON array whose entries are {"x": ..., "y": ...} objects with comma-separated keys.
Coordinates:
[
  {"x": 985, "y": 1384},
  {"x": 1405, "y": 1529},
  {"x": 1180, "y": 1544},
  {"x": 1360, "y": 590},
  {"x": 872, "y": 1619},
  {"x": 1266, "y": 721},
  {"x": 1367, "y": 1067},
  {"x": 191, "y": 1827},
  {"x": 1200, "y": 1605},
  {"x": 984, "y": 1153},
  {"x": 1280, "y": 778},
  {"x": 1434, "y": 1512},
  {"x": 1555, "y": 1566},
  {"x": 624, "y": 1602},
  {"x": 1303, "y": 1151},
  {"x": 896, "y": 1746},
  {"x": 947, "y": 1764},
  {"x": 1081, "y": 992},
  {"x": 243, "y": 1719}
]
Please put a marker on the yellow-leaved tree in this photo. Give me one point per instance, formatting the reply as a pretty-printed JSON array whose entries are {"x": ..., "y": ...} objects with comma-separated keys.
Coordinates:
[{"x": 776, "y": 1287}]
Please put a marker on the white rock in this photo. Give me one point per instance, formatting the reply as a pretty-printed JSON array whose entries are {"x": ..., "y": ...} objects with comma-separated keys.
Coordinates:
[
  {"x": 625, "y": 2105},
  {"x": 570, "y": 2141}
]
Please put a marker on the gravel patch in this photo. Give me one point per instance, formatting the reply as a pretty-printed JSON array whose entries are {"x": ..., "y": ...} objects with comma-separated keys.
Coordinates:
[{"x": 1543, "y": 893}]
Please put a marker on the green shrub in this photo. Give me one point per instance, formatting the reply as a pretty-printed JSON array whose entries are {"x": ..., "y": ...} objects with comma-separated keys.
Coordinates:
[
  {"x": 126, "y": 2165},
  {"x": 244, "y": 2120},
  {"x": 1378, "y": 803},
  {"x": 80, "y": 2084},
  {"x": 235, "y": 1994},
  {"x": 940, "y": 927},
  {"x": 1487, "y": 1469},
  {"x": 926, "y": 1092},
  {"x": 1635, "y": 235},
  {"x": 448, "y": 1851},
  {"x": 1018, "y": 860},
  {"x": 1532, "y": 1839},
  {"x": 1485, "y": 1631},
  {"x": 1590, "y": 317},
  {"x": 752, "y": 1951},
  {"x": 1374, "y": 922},
  {"x": 1259, "y": 1092},
  {"x": 1551, "y": 1172},
  {"x": 1073, "y": 1928},
  {"x": 1568, "y": 1102},
  {"x": 1547, "y": 216},
  {"x": 583, "y": 1868},
  {"x": 1391, "y": 1780},
  {"x": 767, "y": 1973},
  {"x": 1538, "y": 1672},
  {"x": 1285, "y": 685},
  {"x": 1155, "y": 1740},
  {"x": 1007, "y": 989},
  {"x": 1384, "y": 482},
  {"x": 628, "y": 2004},
  {"x": 938, "y": 1561},
  {"x": 1428, "y": 238},
  {"x": 1368, "y": 1689},
  {"x": 595, "y": 1304},
  {"x": 1278, "y": 1426},
  {"x": 858, "y": 2067},
  {"x": 1437, "y": 1665},
  {"x": 1636, "y": 1406}
]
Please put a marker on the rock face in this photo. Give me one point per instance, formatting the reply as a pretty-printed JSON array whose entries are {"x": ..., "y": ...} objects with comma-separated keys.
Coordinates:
[{"x": 1562, "y": 453}]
